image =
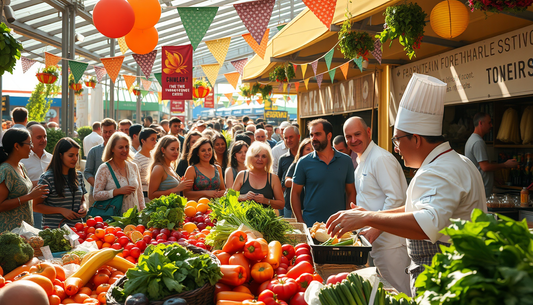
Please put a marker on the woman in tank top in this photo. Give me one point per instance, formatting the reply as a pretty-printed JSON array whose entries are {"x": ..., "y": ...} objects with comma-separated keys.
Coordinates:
[
  {"x": 207, "y": 176},
  {"x": 163, "y": 177},
  {"x": 238, "y": 157},
  {"x": 257, "y": 183}
]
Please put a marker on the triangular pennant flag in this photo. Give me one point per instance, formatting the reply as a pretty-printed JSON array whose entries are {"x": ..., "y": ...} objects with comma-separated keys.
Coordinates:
[
  {"x": 284, "y": 87},
  {"x": 359, "y": 62},
  {"x": 219, "y": 48},
  {"x": 77, "y": 69},
  {"x": 144, "y": 93},
  {"x": 122, "y": 45},
  {"x": 295, "y": 66},
  {"x": 279, "y": 27},
  {"x": 239, "y": 64},
  {"x": 273, "y": 100},
  {"x": 255, "y": 15},
  {"x": 146, "y": 62},
  {"x": 289, "y": 87},
  {"x": 280, "y": 87},
  {"x": 100, "y": 73},
  {"x": 328, "y": 57},
  {"x": 260, "y": 100},
  {"x": 258, "y": 49},
  {"x": 226, "y": 103},
  {"x": 285, "y": 98},
  {"x": 113, "y": 66},
  {"x": 159, "y": 97},
  {"x": 377, "y": 53},
  {"x": 319, "y": 79},
  {"x": 50, "y": 59},
  {"x": 344, "y": 69},
  {"x": 26, "y": 64},
  {"x": 297, "y": 86},
  {"x": 218, "y": 99},
  {"x": 248, "y": 102},
  {"x": 229, "y": 96},
  {"x": 158, "y": 77},
  {"x": 314, "y": 64},
  {"x": 146, "y": 84},
  {"x": 306, "y": 83},
  {"x": 196, "y": 21},
  {"x": 332, "y": 75},
  {"x": 130, "y": 81},
  {"x": 233, "y": 78},
  {"x": 323, "y": 10},
  {"x": 211, "y": 71},
  {"x": 304, "y": 68}
]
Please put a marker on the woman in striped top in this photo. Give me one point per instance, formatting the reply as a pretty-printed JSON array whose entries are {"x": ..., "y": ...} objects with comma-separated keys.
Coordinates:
[
  {"x": 66, "y": 202},
  {"x": 143, "y": 158}
]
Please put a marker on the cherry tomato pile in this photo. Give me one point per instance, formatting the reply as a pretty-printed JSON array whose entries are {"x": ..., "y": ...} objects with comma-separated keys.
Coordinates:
[{"x": 269, "y": 272}]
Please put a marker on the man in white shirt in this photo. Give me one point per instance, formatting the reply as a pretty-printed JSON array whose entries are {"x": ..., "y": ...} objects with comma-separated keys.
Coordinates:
[
  {"x": 38, "y": 161},
  {"x": 280, "y": 149},
  {"x": 133, "y": 132},
  {"x": 92, "y": 139},
  {"x": 380, "y": 184},
  {"x": 447, "y": 185}
]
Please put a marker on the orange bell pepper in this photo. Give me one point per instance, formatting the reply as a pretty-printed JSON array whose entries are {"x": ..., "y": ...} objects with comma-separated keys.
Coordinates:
[
  {"x": 234, "y": 296},
  {"x": 240, "y": 259},
  {"x": 256, "y": 249},
  {"x": 234, "y": 275},
  {"x": 222, "y": 256},
  {"x": 274, "y": 254},
  {"x": 235, "y": 242}
]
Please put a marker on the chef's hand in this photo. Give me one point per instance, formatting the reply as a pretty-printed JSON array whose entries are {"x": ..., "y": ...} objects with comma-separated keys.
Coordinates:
[
  {"x": 371, "y": 234},
  {"x": 346, "y": 221}
]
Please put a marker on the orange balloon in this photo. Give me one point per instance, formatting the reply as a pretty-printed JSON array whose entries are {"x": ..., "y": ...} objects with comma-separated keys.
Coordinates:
[
  {"x": 147, "y": 13},
  {"x": 142, "y": 41}
]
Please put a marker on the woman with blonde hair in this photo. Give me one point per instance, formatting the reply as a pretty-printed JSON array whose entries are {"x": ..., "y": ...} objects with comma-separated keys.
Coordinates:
[
  {"x": 118, "y": 169},
  {"x": 163, "y": 177},
  {"x": 257, "y": 182}
]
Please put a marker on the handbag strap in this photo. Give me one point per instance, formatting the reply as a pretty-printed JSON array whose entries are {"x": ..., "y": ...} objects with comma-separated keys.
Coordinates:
[{"x": 113, "y": 174}]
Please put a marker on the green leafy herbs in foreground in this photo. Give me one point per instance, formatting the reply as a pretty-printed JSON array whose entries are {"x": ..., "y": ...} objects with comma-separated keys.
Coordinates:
[
  {"x": 165, "y": 270},
  {"x": 130, "y": 217},
  {"x": 489, "y": 262},
  {"x": 55, "y": 238},
  {"x": 250, "y": 213}
]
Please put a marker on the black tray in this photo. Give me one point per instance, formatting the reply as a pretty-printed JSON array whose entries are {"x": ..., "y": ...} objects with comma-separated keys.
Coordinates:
[{"x": 341, "y": 254}]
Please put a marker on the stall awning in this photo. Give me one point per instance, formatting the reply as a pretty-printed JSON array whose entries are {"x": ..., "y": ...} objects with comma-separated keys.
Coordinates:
[{"x": 306, "y": 29}]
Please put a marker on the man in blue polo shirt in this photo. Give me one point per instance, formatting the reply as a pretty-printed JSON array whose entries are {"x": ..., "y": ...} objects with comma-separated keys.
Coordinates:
[{"x": 327, "y": 176}]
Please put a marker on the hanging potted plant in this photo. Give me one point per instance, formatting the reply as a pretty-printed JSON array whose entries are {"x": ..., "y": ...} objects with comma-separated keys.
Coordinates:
[
  {"x": 201, "y": 89},
  {"x": 404, "y": 22},
  {"x": 256, "y": 88},
  {"x": 136, "y": 91},
  {"x": 498, "y": 6},
  {"x": 282, "y": 74},
  {"x": 11, "y": 48},
  {"x": 266, "y": 91},
  {"x": 91, "y": 82},
  {"x": 246, "y": 92},
  {"x": 354, "y": 44},
  {"x": 73, "y": 85},
  {"x": 48, "y": 75}
]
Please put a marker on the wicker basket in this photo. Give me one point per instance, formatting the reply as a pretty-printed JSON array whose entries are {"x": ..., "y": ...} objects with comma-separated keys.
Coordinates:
[{"x": 200, "y": 296}]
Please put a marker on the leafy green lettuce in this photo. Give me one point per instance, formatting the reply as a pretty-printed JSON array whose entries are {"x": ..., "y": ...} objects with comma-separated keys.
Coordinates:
[{"x": 489, "y": 262}]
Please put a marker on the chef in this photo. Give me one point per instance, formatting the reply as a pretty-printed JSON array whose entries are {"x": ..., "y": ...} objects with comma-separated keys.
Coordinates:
[{"x": 446, "y": 185}]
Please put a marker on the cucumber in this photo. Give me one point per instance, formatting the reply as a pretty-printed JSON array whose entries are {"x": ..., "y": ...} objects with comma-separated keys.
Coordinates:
[
  {"x": 354, "y": 293},
  {"x": 340, "y": 294},
  {"x": 359, "y": 294},
  {"x": 347, "y": 293},
  {"x": 323, "y": 299}
]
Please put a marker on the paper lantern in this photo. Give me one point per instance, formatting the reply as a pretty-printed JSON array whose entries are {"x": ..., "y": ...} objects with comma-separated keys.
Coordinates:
[
  {"x": 142, "y": 41},
  {"x": 113, "y": 18},
  {"x": 449, "y": 18},
  {"x": 147, "y": 13},
  {"x": 200, "y": 91}
]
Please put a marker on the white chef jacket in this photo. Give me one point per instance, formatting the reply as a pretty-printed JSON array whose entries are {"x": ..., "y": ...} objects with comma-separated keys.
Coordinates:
[
  {"x": 381, "y": 185},
  {"x": 91, "y": 141},
  {"x": 449, "y": 187},
  {"x": 278, "y": 151},
  {"x": 35, "y": 166}
]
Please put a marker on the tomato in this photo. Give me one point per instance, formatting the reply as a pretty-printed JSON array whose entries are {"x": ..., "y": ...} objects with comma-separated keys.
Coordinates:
[
  {"x": 302, "y": 245},
  {"x": 298, "y": 299},
  {"x": 288, "y": 251},
  {"x": 135, "y": 252},
  {"x": 301, "y": 251},
  {"x": 79, "y": 226},
  {"x": 284, "y": 288},
  {"x": 269, "y": 298},
  {"x": 280, "y": 271},
  {"x": 100, "y": 278},
  {"x": 45, "y": 269},
  {"x": 337, "y": 278},
  {"x": 263, "y": 287},
  {"x": 116, "y": 246},
  {"x": 141, "y": 245},
  {"x": 91, "y": 222},
  {"x": 140, "y": 228},
  {"x": 125, "y": 253},
  {"x": 60, "y": 292},
  {"x": 129, "y": 246},
  {"x": 98, "y": 219},
  {"x": 262, "y": 272},
  {"x": 201, "y": 245},
  {"x": 303, "y": 258}
]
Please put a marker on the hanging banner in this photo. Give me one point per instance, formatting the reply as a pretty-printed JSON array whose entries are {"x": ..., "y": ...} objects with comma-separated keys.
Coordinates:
[
  {"x": 177, "y": 72},
  {"x": 177, "y": 106},
  {"x": 209, "y": 101}
]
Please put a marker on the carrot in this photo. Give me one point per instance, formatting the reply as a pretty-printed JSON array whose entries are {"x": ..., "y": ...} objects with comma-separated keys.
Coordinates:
[
  {"x": 26, "y": 267},
  {"x": 72, "y": 285}
]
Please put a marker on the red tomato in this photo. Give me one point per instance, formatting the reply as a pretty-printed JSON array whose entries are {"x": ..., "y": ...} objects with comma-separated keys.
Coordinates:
[
  {"x": 302, "y": 245},
  {"x": 91, "y": 222},
  {"x": 129, "y": 246},
  {"x": 79, "y": 226},
  {"x": 298, "y": 299},
  {"x": 98, "y": 219},
  {"x": 125, "y": 253},
  {"x": 135, "y": 252},
  {"x": 116, "y": 246},
  {"x": 141, "y": 245},
  {"x": 301, "y": 251},
  {"x": 140, "y": 228},
  {"x": 123, "y": 241},
  {"x": 303, "y": 258},
  {"x": 269, "y": 298},
  {"x": 337, "y": 278}
]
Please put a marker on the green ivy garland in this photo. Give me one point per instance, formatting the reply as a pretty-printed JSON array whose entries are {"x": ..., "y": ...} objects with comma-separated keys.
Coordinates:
[
  {"x": 10, "y": 50},
  {"x": 404, "y": 22}
]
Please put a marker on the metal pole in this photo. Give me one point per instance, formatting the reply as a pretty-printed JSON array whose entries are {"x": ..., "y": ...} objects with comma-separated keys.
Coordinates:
[
  {"x": 112, "y": 85},
  {"x": 64, "y": 77},
  {"x": 72, "y": 17},
  {"x": 138, "y": 108}
]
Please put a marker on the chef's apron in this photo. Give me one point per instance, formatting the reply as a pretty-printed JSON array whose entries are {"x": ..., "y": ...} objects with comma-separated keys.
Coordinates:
[{"x": 421, "y": 252}]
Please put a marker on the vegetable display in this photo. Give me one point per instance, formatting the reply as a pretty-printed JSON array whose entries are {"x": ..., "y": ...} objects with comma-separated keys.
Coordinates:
[
  {"x": 164, "y": 212},
  {"x": 165, "y": 270},
  {"x": 55, "y": 238},
  {"x": 14, "y": 252},
  {"x": 489, "y": 262}
]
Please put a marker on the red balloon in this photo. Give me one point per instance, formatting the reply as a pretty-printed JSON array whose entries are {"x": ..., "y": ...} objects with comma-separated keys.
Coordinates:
[
  {"x": 113, "y": 18},
  {"x": 142, "y": 41}
]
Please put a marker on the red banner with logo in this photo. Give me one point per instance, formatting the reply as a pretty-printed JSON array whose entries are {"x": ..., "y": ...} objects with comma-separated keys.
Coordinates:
[
  {"x": 209, "y": 101},
  {"x": 177, "y": 106},
  {"x": 176, "y": 77}
]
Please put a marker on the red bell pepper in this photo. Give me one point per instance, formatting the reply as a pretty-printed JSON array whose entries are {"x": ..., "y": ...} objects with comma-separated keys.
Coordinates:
[
  {"x": 298, "y": 299},
  {"x": 269, "y": 298},
  {"x": 284, "y": 288},
  {"x": 288, "y": 251},
  {"x": 233, "y": 275},
  {"x": 222, "y": 256},
  {"x": 337, "y": 278},
  {"x": 299, "y": 269},
  {"x": 303, "y": 257},
  {"x": 236, "y": 241},
  {"x": 301, "y": 251},
  {"x": 304, "y": 280},
  {"x": 302, "y": 245},
  {"x": 256, "y": 249},
  {"x": 317, "y": 277}
]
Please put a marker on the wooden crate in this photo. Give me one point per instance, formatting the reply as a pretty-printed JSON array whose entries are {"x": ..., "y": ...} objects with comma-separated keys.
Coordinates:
[{"x": 299, "y": 237}]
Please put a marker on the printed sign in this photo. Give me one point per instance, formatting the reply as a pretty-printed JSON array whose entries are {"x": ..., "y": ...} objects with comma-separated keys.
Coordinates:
[
  {"x": 209, "y": 101},
  {"x": 277, "y": 114},
  {"x": 176, "y": 78},
  {"x": 177, "y": 106}
]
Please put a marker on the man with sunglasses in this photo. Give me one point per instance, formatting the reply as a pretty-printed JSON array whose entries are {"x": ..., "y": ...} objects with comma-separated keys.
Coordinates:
[{"x": 446, "y": 185}]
